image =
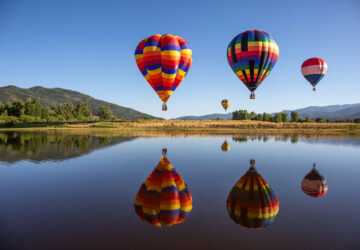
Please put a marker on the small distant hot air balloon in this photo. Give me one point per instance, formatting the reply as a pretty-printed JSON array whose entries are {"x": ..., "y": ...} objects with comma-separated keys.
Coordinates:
[
  {"x": 252, "y": 55},
  {"x": 225, "y": 146},
  {"x": 164, "y": 198},
  {"x": 164, "y": 60},
  {"x": 225, "y": 104},
  {"x": 314, "y": 184},
  {"x": 313, "y": 70},
  {"x": 251, "y": 202}
]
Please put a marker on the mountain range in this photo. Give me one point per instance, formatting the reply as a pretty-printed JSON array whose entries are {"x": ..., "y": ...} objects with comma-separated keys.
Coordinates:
[
  {"x": 54, "y": 96},
  {"x": 332, "y": 113},
  {"x": 214, "y": 116}
]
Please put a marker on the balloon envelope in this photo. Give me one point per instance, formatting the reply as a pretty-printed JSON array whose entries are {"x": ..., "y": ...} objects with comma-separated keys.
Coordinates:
[
  {"x": 225, "y": 146},
  {"x": 252, "y": 55},
  {"x": 314, "y": 184},
  {"x": 313, "y": 70},
  {"x": 225, "y": 104},
  {"x": 251, "y": 202},
  {"x": 164, "y": 61},
  {"x": 164, "y": 198}
]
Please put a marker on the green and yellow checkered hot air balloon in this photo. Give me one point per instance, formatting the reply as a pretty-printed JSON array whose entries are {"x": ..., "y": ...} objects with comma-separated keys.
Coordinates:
[{"x": 225, "y": 104}]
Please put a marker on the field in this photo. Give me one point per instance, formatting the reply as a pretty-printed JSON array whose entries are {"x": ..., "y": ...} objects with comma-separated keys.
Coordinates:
[{"x": 211, "y": 127}]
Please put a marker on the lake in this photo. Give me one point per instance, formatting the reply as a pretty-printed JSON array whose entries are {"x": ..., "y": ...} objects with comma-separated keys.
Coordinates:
[{"x": 77, "y": 191}]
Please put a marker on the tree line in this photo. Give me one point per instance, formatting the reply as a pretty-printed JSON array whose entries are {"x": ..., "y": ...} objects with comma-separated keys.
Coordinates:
[
  {"x": 280, "y": 117},
  {"x": 32, "y": 110}
]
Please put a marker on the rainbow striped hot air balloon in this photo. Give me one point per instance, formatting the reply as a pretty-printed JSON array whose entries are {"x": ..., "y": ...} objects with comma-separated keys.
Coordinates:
[
  {"x": 252, "y": 55},
  {"x": 251, "y": 202},
  {"x": 313, "y": 70},
  {"x": 164, "y": 60},
  {"x": 314, "y": 184},
  {"x": 225, "y": 104},
  {"x": 164, "y": 198}
]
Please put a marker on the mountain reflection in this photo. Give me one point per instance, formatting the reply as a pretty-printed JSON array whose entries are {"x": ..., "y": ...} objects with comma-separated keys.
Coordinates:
[
  {"x": 38, "y": 147},
  {"x": 314, "y": 184},
  {"x": 164, "y": 198},
  {"x": 251, "y": 202}
]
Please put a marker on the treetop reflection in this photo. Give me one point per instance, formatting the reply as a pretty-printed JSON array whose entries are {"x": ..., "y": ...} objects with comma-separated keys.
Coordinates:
[{"x": 38, "y": 147}]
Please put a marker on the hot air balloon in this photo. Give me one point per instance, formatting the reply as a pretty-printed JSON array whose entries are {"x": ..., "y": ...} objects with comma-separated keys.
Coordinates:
[
  {"x": 225, "y": 104},
  {"x": 313, "y": 70},
  {"x": 164, "y": 198},
  {"x": 252, "y": 55},
  {"x": 314, "y": 184},
  {"x": 225, "y": 146},
  {"x": 251, "y": 202},
  {"x": 164, "y": 60}
]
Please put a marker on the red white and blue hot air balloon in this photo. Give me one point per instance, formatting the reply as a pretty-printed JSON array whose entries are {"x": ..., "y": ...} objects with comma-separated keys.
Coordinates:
[{"x": 313, "y": 70}]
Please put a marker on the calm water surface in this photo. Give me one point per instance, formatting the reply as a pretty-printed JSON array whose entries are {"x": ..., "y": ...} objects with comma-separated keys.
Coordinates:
[{"x": 62, "y": 191}]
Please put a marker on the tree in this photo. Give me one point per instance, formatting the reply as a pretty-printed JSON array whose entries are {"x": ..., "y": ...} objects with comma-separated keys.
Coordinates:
[
  {"x": 319, "y": 119},
  {"x": 284, "y": 117},
  {"x": 8, "y": 107},
  {"x": 17, "y": 108},
  {"x": 259, "y": 117},
  {"x": 357, "y": 120},
  {"x": 278, "y": 118},
  {"x": 28, "y": 106},
  {"x": 33, "y": 107},
  {"x": 66, "y": 110},
  {"x": 37, "y": 108},
  {"x": 82, "y": 110},
  {"x": 266, "y": 117},
  {"x": 2, "y": 108},
  {"x": 252, "y": 115},
  {"x": 307, "y": 119},
  {"x": 104, "y": 113},
  {"x": 241, "y": 115},
  {"x": 294, "y": 116},
  {"x": 45, "y": 113}
]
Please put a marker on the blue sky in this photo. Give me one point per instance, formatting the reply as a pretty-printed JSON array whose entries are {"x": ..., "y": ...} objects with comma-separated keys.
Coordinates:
[{"x": 88, "y": 46}]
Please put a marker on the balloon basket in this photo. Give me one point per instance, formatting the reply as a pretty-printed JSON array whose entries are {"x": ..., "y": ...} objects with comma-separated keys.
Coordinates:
[
  {"x": 252, "y": 162},
  {"x": 252, "y": 96},
  {"x": 314, "y": 89},
  {"x": 164, "y": 107},
  {"x": 164, "y": 151}
]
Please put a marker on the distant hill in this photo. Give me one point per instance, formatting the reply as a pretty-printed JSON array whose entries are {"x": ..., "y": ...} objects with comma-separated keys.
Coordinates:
[
  {"x": 226, "y": 116},
  {"x": 333, "y": 112},
  {"x": 53, "y": 96}
]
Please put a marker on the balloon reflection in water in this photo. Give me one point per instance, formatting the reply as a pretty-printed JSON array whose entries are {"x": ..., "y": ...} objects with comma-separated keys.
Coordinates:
[
  {"x": 314, "y": 184},
  {"x": 164, "y": 198},
  {"x": 225, "y": 146},
  {"x": 251, "y": 202}
]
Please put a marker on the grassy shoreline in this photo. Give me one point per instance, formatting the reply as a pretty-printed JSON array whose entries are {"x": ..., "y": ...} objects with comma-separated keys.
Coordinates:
[{"x": 197, "y": 127}]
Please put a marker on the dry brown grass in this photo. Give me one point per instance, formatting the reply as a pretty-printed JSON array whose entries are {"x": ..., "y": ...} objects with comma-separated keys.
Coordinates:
[{"x": 204, "y": 127}]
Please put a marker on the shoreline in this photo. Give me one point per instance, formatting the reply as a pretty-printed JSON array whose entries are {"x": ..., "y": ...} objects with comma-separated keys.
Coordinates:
[{"x": 194, "y": 127}]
